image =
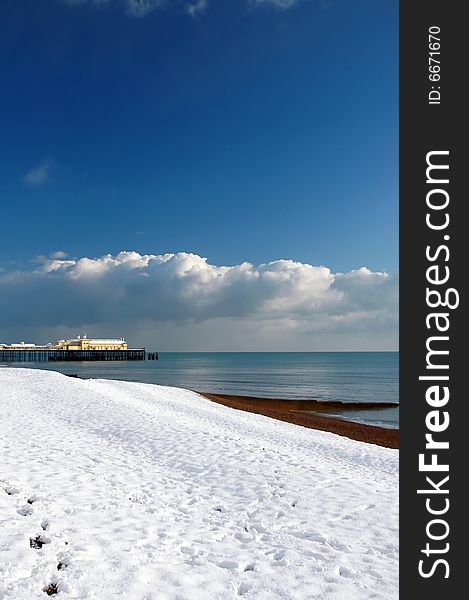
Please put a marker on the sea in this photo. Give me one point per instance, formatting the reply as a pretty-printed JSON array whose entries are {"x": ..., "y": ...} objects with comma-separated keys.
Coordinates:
[{"x": 342, "y": 376}]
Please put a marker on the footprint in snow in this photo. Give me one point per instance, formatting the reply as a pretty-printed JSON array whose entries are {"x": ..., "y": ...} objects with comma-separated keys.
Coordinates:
[
  {"x": 345, "y": 572},
  {"x": 38, "y": 542},
  {"x": 51, "y": 589},
  {"x": 63, "y": 560},
  {"x": 25, "y": 510},
  {"x": 243, "y": 588}
]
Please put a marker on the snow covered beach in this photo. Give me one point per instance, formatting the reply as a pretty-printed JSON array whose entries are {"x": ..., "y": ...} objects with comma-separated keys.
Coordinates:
[{"x": 125, "y": 490}]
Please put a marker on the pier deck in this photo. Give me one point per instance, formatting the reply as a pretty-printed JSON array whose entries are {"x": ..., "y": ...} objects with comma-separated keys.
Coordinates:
[{"x": 52, "y": 355}]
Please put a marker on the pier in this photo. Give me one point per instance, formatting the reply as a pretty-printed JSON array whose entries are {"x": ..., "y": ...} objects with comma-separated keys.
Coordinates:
[
  {"x": 80, "y": 348},
  {"x": 56, "y": 355}
]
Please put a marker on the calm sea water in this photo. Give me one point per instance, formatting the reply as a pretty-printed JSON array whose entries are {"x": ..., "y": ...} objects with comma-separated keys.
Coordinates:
[{"x": 345, "y": 376}]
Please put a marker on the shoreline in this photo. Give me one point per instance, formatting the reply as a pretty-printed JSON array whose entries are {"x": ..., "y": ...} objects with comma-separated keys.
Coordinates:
[{"x": 296, "y": 414}]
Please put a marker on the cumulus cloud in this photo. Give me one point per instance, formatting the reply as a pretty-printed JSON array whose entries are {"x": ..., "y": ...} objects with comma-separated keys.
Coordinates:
[
  {"x": 124, "y": 290},
  {"x": 39, "y": 174}
]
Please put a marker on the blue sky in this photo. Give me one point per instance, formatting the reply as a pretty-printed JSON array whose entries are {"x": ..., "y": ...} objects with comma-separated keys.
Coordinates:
[
  {"x": 245, "y": 133},
  {"x": 237, "y": 130}
]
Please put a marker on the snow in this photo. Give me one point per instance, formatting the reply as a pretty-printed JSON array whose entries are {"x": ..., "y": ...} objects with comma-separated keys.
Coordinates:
[{"x": 111, "y": 489}]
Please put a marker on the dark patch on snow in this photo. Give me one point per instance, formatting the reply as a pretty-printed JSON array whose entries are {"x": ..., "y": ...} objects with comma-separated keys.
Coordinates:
[
  {"x": 38, "y": 542},
  {"x": 51, "y": 589}
]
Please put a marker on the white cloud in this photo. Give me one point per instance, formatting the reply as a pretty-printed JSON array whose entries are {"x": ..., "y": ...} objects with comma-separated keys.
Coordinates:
[
  {"x": 38, "y": 175},
  {"x": 58, "y": 254},
  {"x": 282, "y": 299},
  {"x": 197, "y": 8}
]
